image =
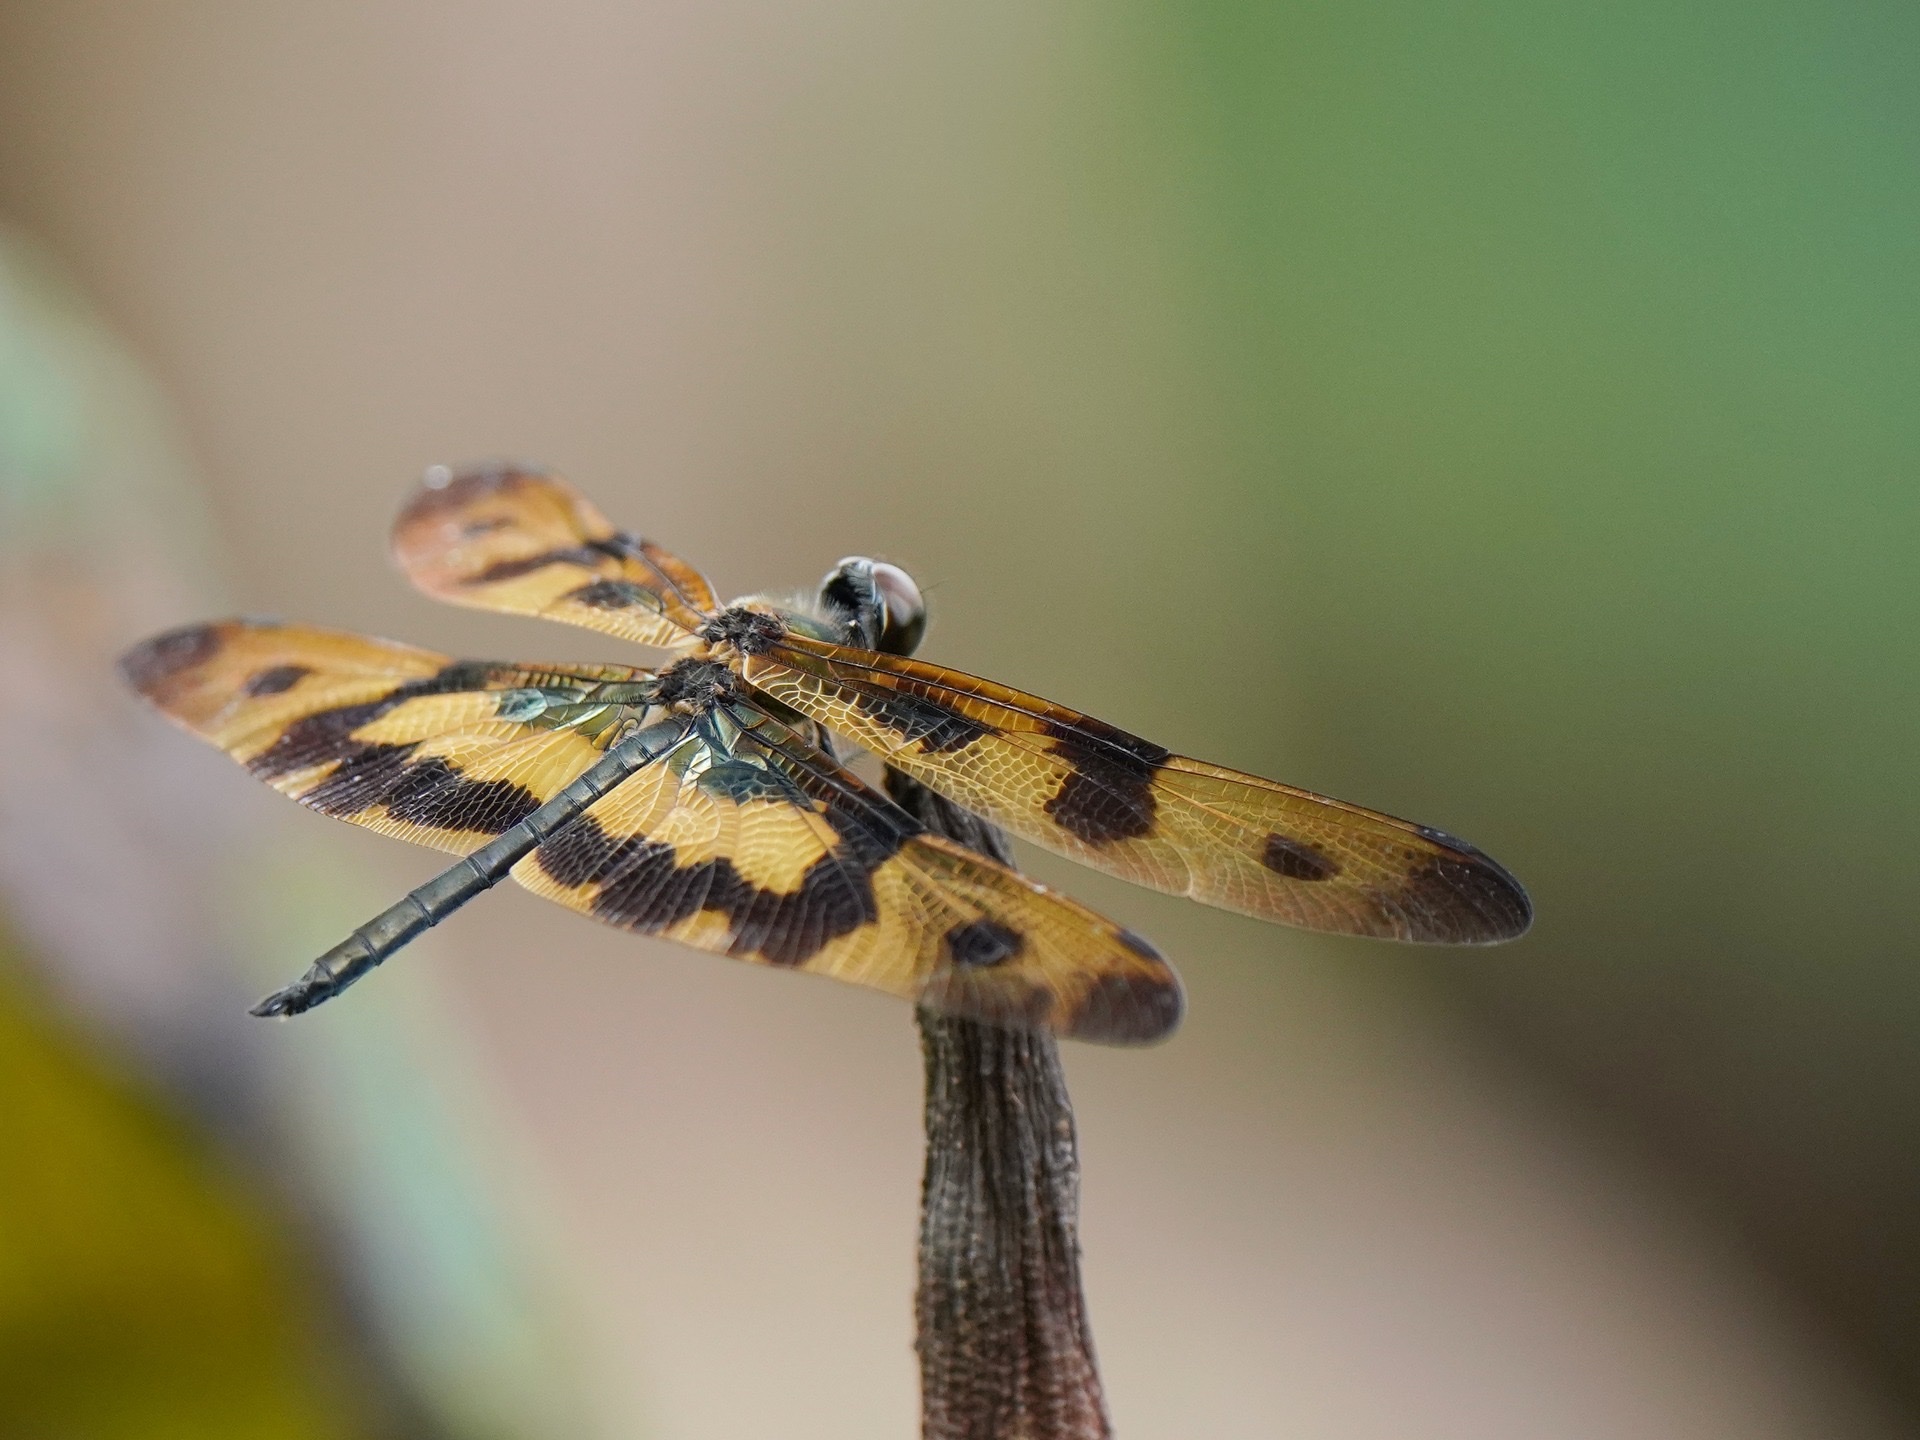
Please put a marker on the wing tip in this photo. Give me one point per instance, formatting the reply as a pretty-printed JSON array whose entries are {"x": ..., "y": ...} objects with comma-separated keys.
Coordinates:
[
  {"x": 1136, "y": 1006},
  {"x": 1135, "y": 1001},
  {"x": 1474, "y": 898},
  {"x": 441, "y": 488},
  {"x": 1130, "y": 1008},
  {"x": 155, "y": 666}
]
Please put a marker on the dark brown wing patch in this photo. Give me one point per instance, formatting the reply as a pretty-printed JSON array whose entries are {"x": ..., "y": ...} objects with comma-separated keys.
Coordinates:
[
  {"x": 934, "y": 728},
  {"x": 322, "y": 735},
  {"x": 1107, "y": 791},
  {"x": 153, "y": 666},
  {"x": 642, "y": 884}
]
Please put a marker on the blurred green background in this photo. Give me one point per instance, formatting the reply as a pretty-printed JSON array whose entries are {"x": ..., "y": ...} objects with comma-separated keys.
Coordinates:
[{"x": 1503, "y": 415}]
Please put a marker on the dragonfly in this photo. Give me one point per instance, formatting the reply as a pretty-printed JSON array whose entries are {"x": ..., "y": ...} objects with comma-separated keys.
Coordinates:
[{"x": 708, "y": 799}]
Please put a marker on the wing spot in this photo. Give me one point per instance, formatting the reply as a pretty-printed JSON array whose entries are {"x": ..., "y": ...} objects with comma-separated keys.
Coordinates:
[
  {"x": 982, "y": 944},
  {"x": 276, "y": 680},
  {"x": 643, "y": 888},
  {"x": 1297, "y": 860}
]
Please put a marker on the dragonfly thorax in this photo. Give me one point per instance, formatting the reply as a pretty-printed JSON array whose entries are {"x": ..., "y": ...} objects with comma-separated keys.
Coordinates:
[
  {"x": 695, "y": 686},
  {"x": 750, "y": 631}
]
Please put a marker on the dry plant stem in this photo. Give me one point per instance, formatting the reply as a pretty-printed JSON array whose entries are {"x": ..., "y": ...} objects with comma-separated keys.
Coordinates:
[{"x": 1005, "y": 1349}]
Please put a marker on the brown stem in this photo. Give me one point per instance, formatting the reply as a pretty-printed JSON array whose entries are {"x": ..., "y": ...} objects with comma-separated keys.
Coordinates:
[{"x": 1005, "y": 1348}]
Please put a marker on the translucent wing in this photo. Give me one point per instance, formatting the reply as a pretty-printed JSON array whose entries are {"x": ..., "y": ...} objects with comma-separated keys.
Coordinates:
[
  {"x": 440, "y": 752},
  {"x": 1121, "y": 804},
  {"x": 503, "y": 538},
  {"x": 747, "y": 842}
]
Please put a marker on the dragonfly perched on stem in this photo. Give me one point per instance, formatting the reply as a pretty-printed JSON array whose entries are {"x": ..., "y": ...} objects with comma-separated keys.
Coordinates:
[{"x": 701, "y": 799}]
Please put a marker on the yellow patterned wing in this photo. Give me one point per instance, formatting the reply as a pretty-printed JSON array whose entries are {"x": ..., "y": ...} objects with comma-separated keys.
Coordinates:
[
  {"x": 743, "y": 840},
  {"x": 1096, "y": 794},
  {"x": 439, "y": 752},
  {"x": 746, "y": 842},
  {"x": 499, "y": 537}
]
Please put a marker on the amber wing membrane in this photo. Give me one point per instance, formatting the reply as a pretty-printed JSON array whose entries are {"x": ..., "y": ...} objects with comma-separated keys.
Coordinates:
[
  {"x": 396, "y": 739},
  {"x": 499, "y": 537},
  {"x": 746, "y": 842},
  {"x": 1121, "y": 804}
]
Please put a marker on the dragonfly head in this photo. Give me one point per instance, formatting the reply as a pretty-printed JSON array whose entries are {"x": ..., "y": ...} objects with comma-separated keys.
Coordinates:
[{"x": 878, "y": 603}]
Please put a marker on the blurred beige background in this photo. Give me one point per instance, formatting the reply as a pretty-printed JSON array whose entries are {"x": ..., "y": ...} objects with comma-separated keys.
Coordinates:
[{"x": 1293, "y": 388}]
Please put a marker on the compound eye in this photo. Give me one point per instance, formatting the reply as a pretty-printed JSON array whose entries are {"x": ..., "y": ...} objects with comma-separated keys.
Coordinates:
[{"x": 905, "y": 612}]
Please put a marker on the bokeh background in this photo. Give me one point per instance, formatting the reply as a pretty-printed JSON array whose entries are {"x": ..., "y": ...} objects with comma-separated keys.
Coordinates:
[{"x": 1501, "y": 414}]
